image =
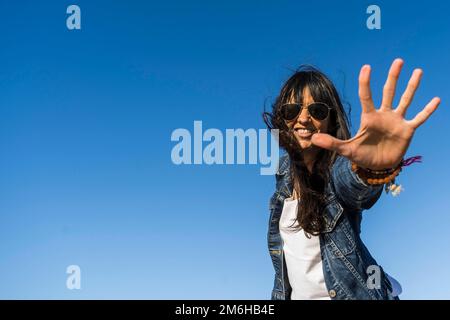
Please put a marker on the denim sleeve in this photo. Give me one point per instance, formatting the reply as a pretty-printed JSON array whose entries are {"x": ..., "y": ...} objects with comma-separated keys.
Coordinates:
[{"x": 350, "y": 189}]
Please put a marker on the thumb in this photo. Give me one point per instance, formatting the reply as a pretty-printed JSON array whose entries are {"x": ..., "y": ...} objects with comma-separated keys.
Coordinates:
[{"x": 328, "y": 142}]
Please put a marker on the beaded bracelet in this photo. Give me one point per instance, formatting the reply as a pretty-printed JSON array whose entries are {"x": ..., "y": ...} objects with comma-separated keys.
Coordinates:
[
  {"x": 376, "y": 177},
  {"x": 386, "y": 176}
]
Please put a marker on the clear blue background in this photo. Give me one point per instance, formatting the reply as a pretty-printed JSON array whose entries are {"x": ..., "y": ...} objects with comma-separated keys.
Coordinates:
[{"x": 86, "y": 117}]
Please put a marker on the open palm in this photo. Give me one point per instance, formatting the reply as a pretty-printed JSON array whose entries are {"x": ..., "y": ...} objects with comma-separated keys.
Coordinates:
[{"x": 384, "y": 134}]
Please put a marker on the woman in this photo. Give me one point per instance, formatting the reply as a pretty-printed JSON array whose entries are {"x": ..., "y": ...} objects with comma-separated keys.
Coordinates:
[{"x": 325, "y": 180}]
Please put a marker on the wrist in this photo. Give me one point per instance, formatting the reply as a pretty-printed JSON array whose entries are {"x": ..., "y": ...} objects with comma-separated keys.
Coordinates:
[{"x": 377, "y": 177}]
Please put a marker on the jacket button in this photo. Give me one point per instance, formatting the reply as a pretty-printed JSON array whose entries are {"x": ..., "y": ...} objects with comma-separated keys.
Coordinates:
[{"x": 332, "y": 293}]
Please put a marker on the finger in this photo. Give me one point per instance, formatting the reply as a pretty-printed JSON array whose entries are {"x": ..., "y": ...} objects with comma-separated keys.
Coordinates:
[
  {"x": 423, "y": 115},
  {"x": 331, "y": 143},
  {"x": 365, "y": 95},
  {"x": 391, "y": 83},
  {"x": 408, "y": 95}
]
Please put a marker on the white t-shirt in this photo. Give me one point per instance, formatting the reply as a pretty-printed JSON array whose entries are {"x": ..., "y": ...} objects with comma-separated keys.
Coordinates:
[{"x": 303, "y": 258}]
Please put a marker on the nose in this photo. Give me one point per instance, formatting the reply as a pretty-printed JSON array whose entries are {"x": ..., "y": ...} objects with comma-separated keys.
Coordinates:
[{"x": 304, "y": 116}]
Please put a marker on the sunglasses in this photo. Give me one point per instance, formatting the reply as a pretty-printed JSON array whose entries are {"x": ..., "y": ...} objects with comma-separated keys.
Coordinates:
[{"x": 318, "y": 110}]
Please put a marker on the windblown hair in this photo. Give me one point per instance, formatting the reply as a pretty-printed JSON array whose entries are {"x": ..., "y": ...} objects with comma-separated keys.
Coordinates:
[{"x": 309, "y": 186}]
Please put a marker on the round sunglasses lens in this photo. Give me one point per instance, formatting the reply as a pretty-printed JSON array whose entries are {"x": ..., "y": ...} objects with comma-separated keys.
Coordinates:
[
  {"x": 290, "y": 111},
  {"x": 318, "y": 111}
]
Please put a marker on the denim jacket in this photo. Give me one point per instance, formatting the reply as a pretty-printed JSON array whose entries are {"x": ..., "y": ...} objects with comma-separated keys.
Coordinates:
[{"x": 348, "y": 266}]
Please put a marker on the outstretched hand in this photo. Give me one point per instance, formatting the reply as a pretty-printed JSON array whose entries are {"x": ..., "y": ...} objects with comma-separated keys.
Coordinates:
[{"x": 384, "y": 134}]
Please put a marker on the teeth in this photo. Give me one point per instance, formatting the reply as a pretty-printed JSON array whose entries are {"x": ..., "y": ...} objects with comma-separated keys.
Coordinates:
[{"x": 304, "y": 130}]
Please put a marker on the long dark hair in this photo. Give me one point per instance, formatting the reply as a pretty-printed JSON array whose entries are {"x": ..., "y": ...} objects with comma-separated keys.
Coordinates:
[{"x": 310, "y": 186}]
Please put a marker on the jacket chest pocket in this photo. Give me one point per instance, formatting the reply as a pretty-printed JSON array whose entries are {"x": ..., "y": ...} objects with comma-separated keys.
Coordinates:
[{"x": 338, "y": 234}]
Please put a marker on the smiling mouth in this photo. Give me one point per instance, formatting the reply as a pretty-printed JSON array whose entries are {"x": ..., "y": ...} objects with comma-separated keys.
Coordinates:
[{"x": 303, "y": 133}]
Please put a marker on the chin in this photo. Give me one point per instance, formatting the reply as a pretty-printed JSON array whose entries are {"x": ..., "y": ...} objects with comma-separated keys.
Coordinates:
[{"x": 304, "y": 144}]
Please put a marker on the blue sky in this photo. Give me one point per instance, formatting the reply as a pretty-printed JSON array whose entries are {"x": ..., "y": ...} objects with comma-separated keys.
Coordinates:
[{"x": 86, "y": 118}]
